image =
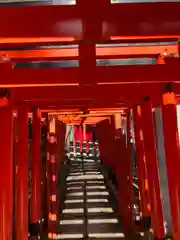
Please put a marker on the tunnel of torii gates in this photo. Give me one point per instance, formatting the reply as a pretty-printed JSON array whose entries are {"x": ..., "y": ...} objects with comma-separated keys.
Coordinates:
[{"x": 51, "y": 95}]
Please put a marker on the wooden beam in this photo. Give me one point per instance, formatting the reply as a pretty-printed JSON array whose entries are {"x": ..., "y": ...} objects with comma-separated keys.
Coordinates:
[
  {"x": 31, "y": 44},
  {"x": 86, "y": 95},
  {"x": 31, "y": 77},
  {"x": 19, "y": 77},
  {"x": 135, "y": 20}
]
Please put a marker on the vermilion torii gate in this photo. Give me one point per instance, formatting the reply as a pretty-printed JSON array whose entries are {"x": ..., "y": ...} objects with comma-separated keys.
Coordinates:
[{"x": 136, "y": 87}]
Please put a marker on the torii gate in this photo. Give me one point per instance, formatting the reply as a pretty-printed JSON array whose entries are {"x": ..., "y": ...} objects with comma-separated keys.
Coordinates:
[{"x": 124, "y": 87}]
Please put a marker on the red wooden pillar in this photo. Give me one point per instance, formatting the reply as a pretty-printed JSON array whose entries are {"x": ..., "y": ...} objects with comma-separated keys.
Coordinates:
[
  {"x": 75, "y": 134},
  {"x": 21, "y": 207},
  {"x": 48, "y": 175},
  {"x": 80, "y": 129},
  {"x": 122, "y": 173},
  {"x": 61, "y": 133},
  {"x": 102, "y": 149},
  {"x": 130, "y": 169},
  {"x": 60, "y": 156},
  {"x": 84, "y": 131},
  {"x": 78, "y": 135},
  {"x": 53, "y": 170},
  {"x": 50, "y": 161},
  {"x": 44, "y": 211},
  {"x": 36, "y": 173},
  {"x": 171, "y": 146},
  {"x": 106, "y": 140},
  {"x": 122, "y": 170},
  {"x": 53, "y": 214},
  {"x": 6, "y": 167},
  {"x": 89, "y": 137},
  {"x": 141, "y": 162},
  {"x": 152, "y": 170}
]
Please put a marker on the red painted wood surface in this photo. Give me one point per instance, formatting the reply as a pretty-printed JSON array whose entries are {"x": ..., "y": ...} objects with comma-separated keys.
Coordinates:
[
  {"x": 141, "y": 163},
  {"x": 161, "y": 73},
  {"x": 152, "y": 170},
  {"x": 171, "y": 145},
  {"x": 36, "y": 168},
  {"x": 21, "y": 207},
  {"x": 6, "y": 166},
  {"x": 122, "y": 20}
]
